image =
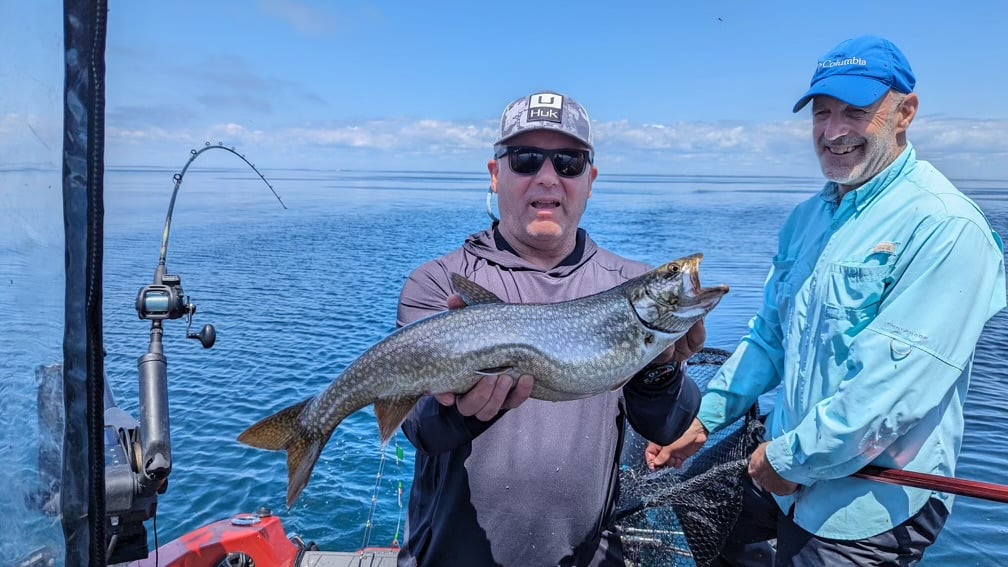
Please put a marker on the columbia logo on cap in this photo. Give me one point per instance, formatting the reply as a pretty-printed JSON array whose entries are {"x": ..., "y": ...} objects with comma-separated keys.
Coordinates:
[{"x": 830, "y": 63}]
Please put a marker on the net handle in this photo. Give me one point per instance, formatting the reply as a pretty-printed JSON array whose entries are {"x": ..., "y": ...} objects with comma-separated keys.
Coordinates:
[{"x": 961, "y": 487}]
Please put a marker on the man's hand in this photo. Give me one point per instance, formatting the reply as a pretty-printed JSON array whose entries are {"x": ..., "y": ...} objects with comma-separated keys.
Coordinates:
[
  {"x": 490, "y": 395},
  {"x": 681, "y": 449},
  {"x": 691, "y": 343},
  {"x": 765, "y": 476},
  {"x": 687, "y": 345}
]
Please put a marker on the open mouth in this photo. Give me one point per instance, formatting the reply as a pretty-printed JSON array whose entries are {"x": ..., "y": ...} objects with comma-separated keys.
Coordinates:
[
  {"x": 680, "y": 300},
  {"x": 710, "y": 296},
  {"x": 700, "y": 299},
  {"x": 841, "y": 150},
  {"x": 545, "y": 204}
]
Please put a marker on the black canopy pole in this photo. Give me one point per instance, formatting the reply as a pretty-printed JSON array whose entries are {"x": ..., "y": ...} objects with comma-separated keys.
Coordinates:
[{"x": 83, "y": 483}]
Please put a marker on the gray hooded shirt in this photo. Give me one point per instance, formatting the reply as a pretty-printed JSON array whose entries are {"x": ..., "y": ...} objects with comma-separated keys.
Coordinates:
[{"x": 537, "y": 484}]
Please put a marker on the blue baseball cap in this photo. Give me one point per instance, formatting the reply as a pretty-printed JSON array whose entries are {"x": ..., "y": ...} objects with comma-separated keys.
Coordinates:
[{"x": 860, "y": 71}]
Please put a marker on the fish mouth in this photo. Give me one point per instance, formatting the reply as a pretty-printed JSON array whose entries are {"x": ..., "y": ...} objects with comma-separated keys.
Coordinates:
[{"x": 697, "y": 300}]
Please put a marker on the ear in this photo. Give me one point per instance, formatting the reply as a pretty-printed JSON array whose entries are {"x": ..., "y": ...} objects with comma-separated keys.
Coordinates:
[
  {"x": 594, "y": 175},
  {"x": 907, "y": 111},
  {"x": 493, "y": 166}
]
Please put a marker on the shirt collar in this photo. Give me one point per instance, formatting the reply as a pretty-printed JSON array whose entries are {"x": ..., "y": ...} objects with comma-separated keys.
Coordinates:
[
  {"x": 865, "y": 194},
  {"x": 573, "y": 259}
]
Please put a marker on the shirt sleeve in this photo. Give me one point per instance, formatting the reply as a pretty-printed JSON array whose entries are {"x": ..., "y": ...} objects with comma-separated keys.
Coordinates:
[
  {"x": 908, "y": 360},
  {"x": 431, "y": 427},
  {"x": 662, "y": 412},
  {"x": 754, "y": 368}
]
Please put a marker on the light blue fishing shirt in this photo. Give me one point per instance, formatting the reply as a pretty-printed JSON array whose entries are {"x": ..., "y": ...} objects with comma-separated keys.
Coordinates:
[{"x": 870, "y": 316}]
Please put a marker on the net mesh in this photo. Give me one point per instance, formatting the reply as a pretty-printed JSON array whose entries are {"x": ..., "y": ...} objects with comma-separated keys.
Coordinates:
[{"x": 682, "y": 516}]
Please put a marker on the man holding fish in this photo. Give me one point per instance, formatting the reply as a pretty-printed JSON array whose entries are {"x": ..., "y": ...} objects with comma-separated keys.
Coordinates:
[
  {"x": 540, "y": 314},
  {"x": 502, "y": 478}
]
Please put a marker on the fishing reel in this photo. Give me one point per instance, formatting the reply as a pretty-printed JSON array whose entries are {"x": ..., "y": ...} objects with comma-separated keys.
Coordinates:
[
  {"x": 166, "y": 300},
  {"x": 157, "y": 302},
  {"x": 138, "y": 452}
]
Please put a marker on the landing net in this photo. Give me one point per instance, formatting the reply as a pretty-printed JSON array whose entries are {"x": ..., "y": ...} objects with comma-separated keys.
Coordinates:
[{"x": 682, "y": 516}]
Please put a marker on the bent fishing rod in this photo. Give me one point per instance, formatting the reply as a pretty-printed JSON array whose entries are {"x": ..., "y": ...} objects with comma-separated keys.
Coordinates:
[{"x": 142, "y": 455}]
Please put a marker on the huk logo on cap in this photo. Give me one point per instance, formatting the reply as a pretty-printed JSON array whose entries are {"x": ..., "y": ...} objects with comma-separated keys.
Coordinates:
[{"x": 545, "y": 106}]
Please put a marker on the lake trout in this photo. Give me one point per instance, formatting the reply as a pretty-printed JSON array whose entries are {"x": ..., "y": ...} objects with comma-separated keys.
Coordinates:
[{"x": 574, "y": 349}]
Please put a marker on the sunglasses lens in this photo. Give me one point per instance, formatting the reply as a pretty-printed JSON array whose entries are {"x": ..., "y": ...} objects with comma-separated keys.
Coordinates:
[
  {"x": 569, "y": 164},
  {"x": 526, "y": 161}
]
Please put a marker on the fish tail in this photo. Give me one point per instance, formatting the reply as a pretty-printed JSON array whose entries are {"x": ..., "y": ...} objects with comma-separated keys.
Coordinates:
[
  {"x": 302, "y": 454},
  {"x": 284, "y": 431}
]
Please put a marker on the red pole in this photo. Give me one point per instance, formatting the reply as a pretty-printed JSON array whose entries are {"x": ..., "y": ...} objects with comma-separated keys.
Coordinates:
[{"x": 985, "y": 490}]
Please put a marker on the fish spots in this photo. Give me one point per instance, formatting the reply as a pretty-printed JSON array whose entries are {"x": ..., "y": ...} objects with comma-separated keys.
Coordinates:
[{"x": 649, "y": 339}]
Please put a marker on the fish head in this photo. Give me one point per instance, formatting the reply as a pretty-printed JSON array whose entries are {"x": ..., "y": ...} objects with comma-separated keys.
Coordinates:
[{"x": 670, "y": 299}]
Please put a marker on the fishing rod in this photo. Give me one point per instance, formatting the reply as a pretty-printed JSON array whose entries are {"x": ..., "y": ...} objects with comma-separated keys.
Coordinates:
[
  {"x": 958, "y": 486},
  {"x": 138, "y": 456}
]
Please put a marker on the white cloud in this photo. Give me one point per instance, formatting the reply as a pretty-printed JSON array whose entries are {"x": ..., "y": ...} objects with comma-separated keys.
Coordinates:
[
  {"x": 301, "y": 17},
  {"x": 317, "y": 21},
  {"x": 976, "y": 148}
]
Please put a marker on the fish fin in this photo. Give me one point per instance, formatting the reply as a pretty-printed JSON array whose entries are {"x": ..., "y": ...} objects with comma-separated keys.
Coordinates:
[
  {"x": 473, "y": 293},
  {"x": 284, "y": 431},
  {"x": 276, "y": 431},
  {"x": 493, "y": 371},
  {"x": 302, "y": 454},
  {"x": 391, "y": 414}
]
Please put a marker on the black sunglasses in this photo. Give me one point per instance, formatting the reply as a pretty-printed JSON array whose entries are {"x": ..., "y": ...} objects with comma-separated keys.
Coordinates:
[{"x": 526, "y": 160}]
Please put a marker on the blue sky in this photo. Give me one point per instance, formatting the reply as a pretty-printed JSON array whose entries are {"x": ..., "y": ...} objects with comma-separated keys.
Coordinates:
[{"x": 672, "y": 87}]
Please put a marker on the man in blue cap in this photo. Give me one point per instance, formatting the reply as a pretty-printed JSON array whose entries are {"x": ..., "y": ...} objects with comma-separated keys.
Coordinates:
[{"x": 878, "y": 293}]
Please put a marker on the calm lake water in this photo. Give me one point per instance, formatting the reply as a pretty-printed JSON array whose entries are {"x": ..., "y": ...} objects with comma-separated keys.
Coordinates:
[{"x": 297, "y": 294}]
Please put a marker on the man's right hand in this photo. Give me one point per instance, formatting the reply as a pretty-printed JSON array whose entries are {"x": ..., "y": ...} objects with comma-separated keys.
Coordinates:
[
  {"x": 490, "y": 395},
  {"x": 681, "y": 449}
]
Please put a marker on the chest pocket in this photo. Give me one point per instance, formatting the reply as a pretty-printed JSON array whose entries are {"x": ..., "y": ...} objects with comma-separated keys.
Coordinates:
[
  {"x": 853, "y": 292},
  {"x": 783, "y": 289}
]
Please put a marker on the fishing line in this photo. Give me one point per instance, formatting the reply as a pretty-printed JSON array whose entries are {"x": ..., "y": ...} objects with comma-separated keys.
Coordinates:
[
  {"x": 369, "y": 523},
  {"x": 399, "y": 494}
]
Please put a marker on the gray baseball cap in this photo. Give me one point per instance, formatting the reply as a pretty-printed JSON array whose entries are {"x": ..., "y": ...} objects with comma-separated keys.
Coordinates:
[{"x": 546, "y": 110}]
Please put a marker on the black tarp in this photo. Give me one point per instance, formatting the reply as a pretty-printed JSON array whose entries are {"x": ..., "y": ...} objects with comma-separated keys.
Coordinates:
[{"x": 83, "y": 480}]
